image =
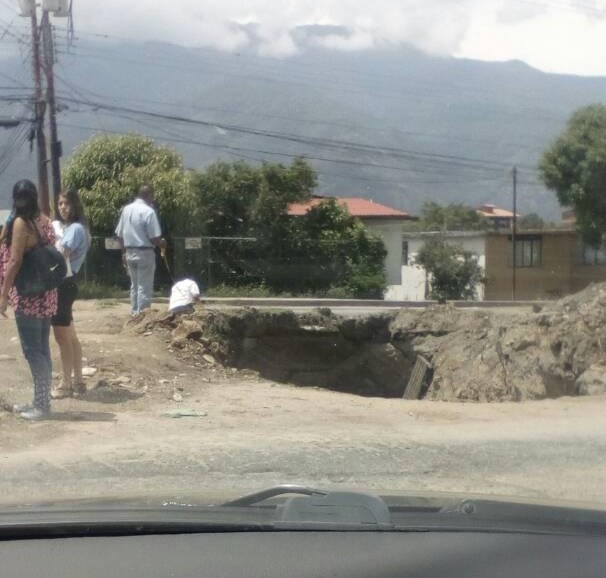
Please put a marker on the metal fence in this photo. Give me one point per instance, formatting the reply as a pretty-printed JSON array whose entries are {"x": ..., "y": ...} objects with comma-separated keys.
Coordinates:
[{"x": 211, "y": 261}]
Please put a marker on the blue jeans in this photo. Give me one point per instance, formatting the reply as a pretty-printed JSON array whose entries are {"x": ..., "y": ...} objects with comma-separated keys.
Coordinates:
[
  {"x": 141, "y": 265},
  {"x": 34, "y": 334}
]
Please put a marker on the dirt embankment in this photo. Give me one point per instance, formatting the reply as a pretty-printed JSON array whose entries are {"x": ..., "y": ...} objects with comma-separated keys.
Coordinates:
[
  {"x": 316, "y": 349},
  {"x": 474, "y": 355},
  {"x": 559, "y": 350}
]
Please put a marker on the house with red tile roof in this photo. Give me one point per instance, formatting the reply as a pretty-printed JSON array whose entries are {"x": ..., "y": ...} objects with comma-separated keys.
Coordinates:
[
  {"x": 382, "y": 220},
  {"x": 356, "y": 207},
  {"x": 500, "y": 218}
]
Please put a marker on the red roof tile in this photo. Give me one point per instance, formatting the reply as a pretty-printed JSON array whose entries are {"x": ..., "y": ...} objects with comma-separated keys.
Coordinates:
[
  {"x": 492, "y": 211},
  {"x": 356, "y": 206}
]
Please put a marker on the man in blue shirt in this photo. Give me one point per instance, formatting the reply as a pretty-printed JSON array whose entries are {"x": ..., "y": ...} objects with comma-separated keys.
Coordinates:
[{"x": 139, "y": 232}]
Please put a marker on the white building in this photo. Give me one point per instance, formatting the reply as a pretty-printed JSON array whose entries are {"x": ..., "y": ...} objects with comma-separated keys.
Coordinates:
[
  {"x": 414, "y": 281},
  {"x": 405, "y": 280}
]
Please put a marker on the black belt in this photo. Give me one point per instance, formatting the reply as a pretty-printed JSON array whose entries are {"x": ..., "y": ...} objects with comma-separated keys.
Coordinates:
[{"x": 140, "y": 248}]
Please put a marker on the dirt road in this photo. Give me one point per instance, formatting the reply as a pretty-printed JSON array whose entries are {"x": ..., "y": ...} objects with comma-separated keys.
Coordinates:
[{"x": 250, "y": 433}]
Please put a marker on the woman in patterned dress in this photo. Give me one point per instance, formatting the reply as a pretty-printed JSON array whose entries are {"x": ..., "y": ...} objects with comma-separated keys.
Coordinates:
[{"x": 32, "y": 314}]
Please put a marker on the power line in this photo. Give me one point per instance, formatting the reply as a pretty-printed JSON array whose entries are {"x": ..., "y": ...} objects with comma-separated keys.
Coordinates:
[
  {"x": 18, "y": 83},
  {"x": 19, "y": 137},
  {"x": 242, "y": 152},
  {"x": 280, "y": 76},
  {"x": 289, "y": 118},
  {"x": 420, "y": 156},
  {"x": 8, "y": 32},
  {"x": 231, "y": 111}
]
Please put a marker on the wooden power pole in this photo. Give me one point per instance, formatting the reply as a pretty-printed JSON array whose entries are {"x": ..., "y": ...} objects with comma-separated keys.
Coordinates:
[
  {"x": 514, "y": 231},
  {"x": 55, "y": 144},
  {"x": 39, "y": 113}
]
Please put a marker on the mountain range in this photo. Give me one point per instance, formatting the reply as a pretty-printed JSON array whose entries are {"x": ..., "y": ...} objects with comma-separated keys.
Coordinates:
[{"x": 394, "y": 125}]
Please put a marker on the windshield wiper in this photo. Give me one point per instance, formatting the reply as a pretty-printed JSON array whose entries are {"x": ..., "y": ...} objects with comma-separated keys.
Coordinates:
[
  {"x": 318, "y": 509},
  {"x": 306, "y": 509},
  {"x": 274, "y": 491},
  {"x": 310, "y": 510}
]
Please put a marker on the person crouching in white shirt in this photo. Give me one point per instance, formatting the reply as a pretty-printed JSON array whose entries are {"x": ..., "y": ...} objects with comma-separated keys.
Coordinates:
[{"x": 183, "y": 295}]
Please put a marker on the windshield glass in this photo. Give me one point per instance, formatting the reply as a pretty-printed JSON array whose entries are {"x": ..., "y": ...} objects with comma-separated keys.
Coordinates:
[{"x": 337, "y": 244}]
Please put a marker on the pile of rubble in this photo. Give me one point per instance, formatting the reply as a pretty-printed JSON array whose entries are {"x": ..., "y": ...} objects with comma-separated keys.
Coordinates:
[
  {"x": 479, "y": 356},
  {"x": 314, "y": 349},
  {"x": 474, "y": 355}
]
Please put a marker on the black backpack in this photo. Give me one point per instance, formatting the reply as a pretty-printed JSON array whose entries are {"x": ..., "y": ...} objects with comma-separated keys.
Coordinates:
[{"x": 43, "y": 269}]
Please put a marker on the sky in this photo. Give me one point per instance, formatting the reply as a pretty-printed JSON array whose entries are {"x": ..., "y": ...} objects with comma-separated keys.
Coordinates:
[{"x": 563, "y": 36}]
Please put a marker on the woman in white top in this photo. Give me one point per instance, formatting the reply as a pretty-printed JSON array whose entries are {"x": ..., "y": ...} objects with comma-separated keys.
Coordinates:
[{"x": 74, "y": 242}]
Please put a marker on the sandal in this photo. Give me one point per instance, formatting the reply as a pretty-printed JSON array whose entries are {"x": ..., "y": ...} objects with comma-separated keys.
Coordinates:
[
  {"x": 78, "y": 389},
  {"x": 61, "y": 391}
]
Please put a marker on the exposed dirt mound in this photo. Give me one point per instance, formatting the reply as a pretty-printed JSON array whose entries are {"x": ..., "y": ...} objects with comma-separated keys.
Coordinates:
[
  {"x": 473, "y": 355},
  {"x": 551, "y": 353},
  {"x": 313, "y": 349}
]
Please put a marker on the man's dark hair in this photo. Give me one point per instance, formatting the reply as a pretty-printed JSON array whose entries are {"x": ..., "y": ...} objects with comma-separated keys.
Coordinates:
[{"x": 146, "y": 192}]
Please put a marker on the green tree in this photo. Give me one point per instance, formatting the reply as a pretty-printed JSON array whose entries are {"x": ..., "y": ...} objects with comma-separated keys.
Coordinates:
[
  {"x": 452, "y": 217},
  {"x": 240, "y": 200},
  {"x": 108, "y": 171},
  {"x": 455, "y": 273},
  {"x": 574, "y": 166},
  {"x": 332, "y": 248},
  {"x": 311, "y": 253},
  {"x": 531, "y": 221}
]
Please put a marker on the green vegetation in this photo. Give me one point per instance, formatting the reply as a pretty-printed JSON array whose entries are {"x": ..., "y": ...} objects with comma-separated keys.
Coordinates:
[
  {"x": 97, "y": 290},
  {"x": 108, "y": 171},
  {"x": 574, "y": 166},
  {"x": 262, "y": 291},
  {"x": 455, "y": 273},
  {"x": 246, "y": 206},
  {"x": 452, "y": 217},
  {"x": 531, "y": 221}
]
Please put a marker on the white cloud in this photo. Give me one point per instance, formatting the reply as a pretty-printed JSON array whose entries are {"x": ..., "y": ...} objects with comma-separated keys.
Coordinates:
[
  {"x": 553, "y": 41},
  {"x": 563, "y": 36},
  {"x": 358, "y": 40}
]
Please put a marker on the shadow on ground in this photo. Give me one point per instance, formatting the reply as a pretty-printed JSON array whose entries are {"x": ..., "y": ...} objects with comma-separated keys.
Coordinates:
[
  {"x": 97, "y": 416},
  {"x": 106, "y": 393}
]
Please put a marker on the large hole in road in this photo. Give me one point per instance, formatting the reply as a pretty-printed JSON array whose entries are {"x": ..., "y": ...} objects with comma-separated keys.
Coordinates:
[
  {"x": 438, "y": 352},
  {"x": 325, "y": 358},
  {"x": 353, "y": 355}
]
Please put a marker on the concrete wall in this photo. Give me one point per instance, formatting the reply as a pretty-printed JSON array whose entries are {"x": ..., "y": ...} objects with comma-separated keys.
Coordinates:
[
  {"x": 391, "y": 233},
  {"x": 559, "y": 273},
  {"x": 414, "y": 278},
  {"x": 552, "y": 279}
]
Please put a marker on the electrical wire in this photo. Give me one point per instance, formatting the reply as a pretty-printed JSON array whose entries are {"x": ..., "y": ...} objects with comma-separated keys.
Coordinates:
[{"x": 468, "y": 162}]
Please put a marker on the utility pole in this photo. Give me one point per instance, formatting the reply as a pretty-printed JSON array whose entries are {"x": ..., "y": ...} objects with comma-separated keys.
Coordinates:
[
  {"x": 514, "y": 227},
  {"x": 39, "y": 111},
  {"x": 61, "y": 9},
  {"x": 55, "y": 144}
]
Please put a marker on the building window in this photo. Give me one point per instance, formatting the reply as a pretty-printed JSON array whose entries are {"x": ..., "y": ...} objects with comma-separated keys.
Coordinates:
[
  {"x": 529, "y": 251},
  {"x": 404, "y": 253},
  {"x": 588, "y": 255}
]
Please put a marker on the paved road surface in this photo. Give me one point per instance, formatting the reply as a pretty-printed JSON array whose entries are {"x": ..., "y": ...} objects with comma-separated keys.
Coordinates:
[
  {"x": 256, "y": 433},
  {"x": 284, "y": 434}
]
